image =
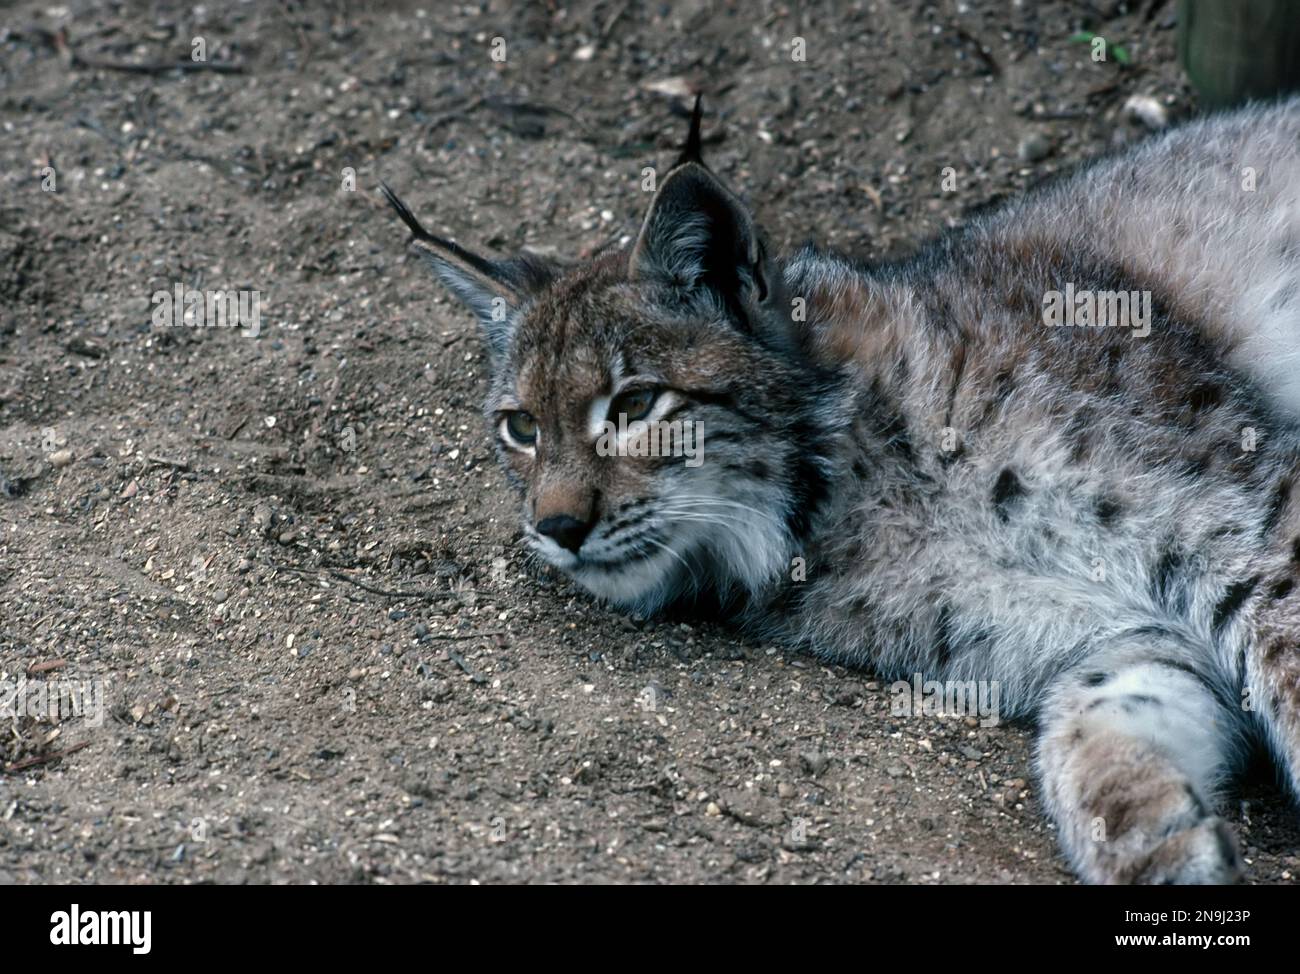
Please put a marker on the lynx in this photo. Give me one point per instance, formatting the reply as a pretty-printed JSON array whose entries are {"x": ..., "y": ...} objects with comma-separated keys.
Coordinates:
[{"x": 1101, "y": 514}]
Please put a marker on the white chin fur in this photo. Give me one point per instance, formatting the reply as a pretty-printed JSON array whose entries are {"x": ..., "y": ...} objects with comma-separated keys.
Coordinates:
[
  {"x": 732, "y": 553},
  {"x": 638, "y": 585},
  {"x": 641, "y": 585}
]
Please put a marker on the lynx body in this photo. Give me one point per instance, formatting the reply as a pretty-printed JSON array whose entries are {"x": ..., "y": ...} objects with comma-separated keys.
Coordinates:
[{"x": 919, "y": 468}]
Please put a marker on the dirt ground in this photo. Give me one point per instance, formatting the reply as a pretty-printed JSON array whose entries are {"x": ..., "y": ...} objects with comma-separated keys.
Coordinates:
[{"x": 290, "y": 557}]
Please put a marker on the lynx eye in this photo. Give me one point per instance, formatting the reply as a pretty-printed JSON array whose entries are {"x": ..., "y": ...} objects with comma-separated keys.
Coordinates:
[
  {"x": 522, "y": 427},
  {"x": 635, "y": 404}
]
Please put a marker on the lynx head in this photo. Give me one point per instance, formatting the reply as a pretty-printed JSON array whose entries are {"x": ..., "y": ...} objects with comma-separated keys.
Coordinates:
[{"x": 653, "y": 406}]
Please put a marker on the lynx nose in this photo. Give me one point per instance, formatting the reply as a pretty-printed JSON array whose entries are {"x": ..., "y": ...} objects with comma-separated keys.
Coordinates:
[{"x": 567, "y": 532}]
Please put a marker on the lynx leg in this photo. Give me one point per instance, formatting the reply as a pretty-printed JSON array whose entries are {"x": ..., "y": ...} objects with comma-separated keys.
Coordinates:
[
  {"x": 1273, "y": 667},
  {"x": 1129, "y": 755}
]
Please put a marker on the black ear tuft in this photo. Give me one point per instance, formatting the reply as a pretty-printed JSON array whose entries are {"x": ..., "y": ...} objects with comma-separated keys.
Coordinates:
[
  {"x": 492, "y": 289},
  {"x": 422, "y": 236},
  {"x": 403, "y": 211},
  {"x": 692, "y": 150}
]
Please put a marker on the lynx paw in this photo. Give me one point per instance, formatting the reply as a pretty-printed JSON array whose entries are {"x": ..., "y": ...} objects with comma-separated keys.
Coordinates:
[{"x": 1205, "y": 854}]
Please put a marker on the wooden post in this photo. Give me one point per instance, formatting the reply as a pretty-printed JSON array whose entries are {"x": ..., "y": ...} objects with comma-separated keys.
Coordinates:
[{"x": 1235, "y": 50}]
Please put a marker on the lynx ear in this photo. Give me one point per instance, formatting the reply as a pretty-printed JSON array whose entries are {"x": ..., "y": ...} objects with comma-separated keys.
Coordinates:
[
  {"x": 700, "y": 237},
  {"x": 492, "y": 289}
]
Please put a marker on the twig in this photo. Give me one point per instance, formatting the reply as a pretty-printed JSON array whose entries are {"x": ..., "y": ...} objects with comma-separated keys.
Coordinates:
[
  {"x": 157, "y": 67},
  {"x": 230, "y": 434},
  {"x": 994, "y": 68},
  {"x": 36, "y": 759},
  {"x": 438, "y": 121},
  {"x": 81, "y": 346},
  {"x": 167, "y": 462},
  {"x": 98, "y": 129},
  {"x": 387, "y": 593},
  {"x": 465, "y": 667},
  {"x": 62, "y": 45},
  {"x": 503, "y": 106},
  {"x": 1065, "y": 113},
  {"x": 304, "y": 42},
  {"x": 613, "y": 19},
  {"x": 516, "y": 106}
]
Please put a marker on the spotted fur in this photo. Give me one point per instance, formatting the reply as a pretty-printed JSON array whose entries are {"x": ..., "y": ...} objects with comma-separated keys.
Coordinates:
[{"x": 907, "y": 469}]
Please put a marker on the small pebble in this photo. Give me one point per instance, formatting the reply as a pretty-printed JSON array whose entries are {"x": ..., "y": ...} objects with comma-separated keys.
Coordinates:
[{"x": 1033, "y": 147}]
